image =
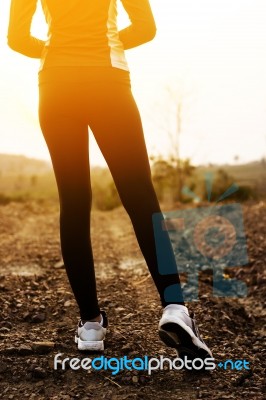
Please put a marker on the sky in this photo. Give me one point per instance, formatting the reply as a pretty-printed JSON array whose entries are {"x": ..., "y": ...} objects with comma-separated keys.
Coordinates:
[{"x": 208, "y": 55}]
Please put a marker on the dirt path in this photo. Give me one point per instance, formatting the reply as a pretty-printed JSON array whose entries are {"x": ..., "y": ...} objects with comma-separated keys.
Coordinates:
[{"x": 37, "y": 306}]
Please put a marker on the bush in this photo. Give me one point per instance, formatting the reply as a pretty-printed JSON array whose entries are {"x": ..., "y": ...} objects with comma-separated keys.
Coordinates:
[
  {"x": 104, "y": 194},
  {"x": 6, "y": 199}
]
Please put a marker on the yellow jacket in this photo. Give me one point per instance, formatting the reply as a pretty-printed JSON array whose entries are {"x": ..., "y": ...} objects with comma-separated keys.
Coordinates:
[{"x": 80, "y": 32}]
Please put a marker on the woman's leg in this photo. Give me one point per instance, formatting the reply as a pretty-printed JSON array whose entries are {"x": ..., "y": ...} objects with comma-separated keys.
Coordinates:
[
  {"x": 118, "y": 132},
  {"x": 67, "y": 140}
]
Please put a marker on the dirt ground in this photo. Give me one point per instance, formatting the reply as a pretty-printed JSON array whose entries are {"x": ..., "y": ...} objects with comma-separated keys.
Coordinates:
[{"x": 37, "y": 306}]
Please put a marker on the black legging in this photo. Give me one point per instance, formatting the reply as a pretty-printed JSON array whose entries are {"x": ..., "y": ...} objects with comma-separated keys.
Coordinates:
[{"x": 70, "y": 100}]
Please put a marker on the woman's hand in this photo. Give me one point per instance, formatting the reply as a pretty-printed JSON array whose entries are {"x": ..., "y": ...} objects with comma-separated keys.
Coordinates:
[
  {"x": 142, "y": 28},
  {"x": 19, "y": 37}
]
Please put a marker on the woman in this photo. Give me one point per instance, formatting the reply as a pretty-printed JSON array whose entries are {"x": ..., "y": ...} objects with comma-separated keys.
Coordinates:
[{"x": 84, "y": 81}]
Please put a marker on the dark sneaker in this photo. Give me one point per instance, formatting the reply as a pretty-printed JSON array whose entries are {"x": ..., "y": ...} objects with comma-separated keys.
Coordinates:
[
  {"x": 178, "y": 330},
  {"x": 91, "y": 335}
]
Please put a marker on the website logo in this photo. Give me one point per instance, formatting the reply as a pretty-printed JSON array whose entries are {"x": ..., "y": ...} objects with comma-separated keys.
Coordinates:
[{"x": 145, "y": 363}]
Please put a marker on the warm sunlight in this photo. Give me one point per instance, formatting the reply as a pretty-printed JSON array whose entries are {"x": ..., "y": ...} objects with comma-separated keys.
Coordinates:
[
  {"x": 211, "y": 53},
  {"x": 138, "y": 272}
]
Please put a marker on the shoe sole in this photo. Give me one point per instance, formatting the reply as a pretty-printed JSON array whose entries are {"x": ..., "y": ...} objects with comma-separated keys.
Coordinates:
[
  {"x": 95, "y": 345},
  {"x": 175, "y": 336}
]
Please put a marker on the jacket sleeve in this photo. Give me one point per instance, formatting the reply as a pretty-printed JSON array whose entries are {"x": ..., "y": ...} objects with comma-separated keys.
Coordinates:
[
  {"x": 19, "y": 37},
  {"x": 142, "y": 28}
]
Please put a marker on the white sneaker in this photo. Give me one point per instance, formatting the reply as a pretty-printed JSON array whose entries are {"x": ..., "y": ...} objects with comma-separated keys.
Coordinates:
[
  {"x": 177, "y": 329},
  {"x": 91, "y": 335}
]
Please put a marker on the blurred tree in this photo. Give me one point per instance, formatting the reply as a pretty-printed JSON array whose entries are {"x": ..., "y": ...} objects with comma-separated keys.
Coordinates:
[{"x": 170, "y": 117}]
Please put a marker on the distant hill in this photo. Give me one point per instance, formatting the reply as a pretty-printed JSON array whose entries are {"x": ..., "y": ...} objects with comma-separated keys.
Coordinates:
[
  {"x": 17, "y": 164},
  {"x": 248, "y": 173},
  {"x": 23, "y": 178},
  {"x": 252, "y": 174}
]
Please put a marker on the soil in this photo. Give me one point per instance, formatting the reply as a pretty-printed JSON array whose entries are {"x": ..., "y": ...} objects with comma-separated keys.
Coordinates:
[{"x": 39, "y": 314}]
